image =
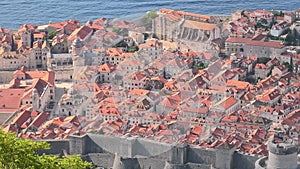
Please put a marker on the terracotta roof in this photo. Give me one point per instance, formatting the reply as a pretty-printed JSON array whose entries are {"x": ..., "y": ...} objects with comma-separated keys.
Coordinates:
[
  {"x": 39, "y": 35},
  {"x": 21, "y": 118},
  {"x": 81, "y": 33},
  {"x": 228, "y": 102},
  {"x": 273, "y": 44},
  {"x": 139, "y": 92},
  {"x": 269, "y": 95},
  {"x": 150, "y": 43},
  {"x": 28, "y": 26},
  {"x": 199, "y": 25},
  {"x": 261, "y": 66},
  {"x": 164, "y": 10},
  {"x": 11, "y": 98},
  {"x": 69, "y": 25},
  {"x": 39, "y": 120},
  {"x": 47, "y": 76},
  {"x": 107, "y": 68},
  {"x": 197, "y": 130},
  {"x": 238, "y": 84}
]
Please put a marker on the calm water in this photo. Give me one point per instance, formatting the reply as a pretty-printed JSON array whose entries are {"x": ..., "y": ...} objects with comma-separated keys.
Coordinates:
[{"x": 14, "y": 13}]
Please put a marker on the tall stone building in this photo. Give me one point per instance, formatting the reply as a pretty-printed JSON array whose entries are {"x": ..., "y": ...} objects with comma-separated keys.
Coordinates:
[
  {"x": 282, "y": 155},
  {"x": 180, "y": 26}
]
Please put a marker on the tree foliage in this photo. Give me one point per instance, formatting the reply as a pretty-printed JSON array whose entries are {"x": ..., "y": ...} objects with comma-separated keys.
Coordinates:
[
  {"x": 133, "y": 49},
  {"x": 200, "y": 65},
  {"x": 147, "y": 19},
  {"x": 278, "y": 13},
  {"x": 288, "y": 66},
  {"x": 290, "y": 38},
  {"x": 52, "y": 34},
  {"x": 17, "y": 153},
  {"x": 150, "y": 15},
  {"x": 263, "y": 60}
]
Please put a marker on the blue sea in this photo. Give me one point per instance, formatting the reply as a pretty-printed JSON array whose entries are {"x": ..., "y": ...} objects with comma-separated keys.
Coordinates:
[{"x": 14, "y": 13}]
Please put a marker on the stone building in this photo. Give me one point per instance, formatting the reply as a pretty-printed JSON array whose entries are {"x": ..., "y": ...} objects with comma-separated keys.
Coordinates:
[
  {"x": 37, "y": 57},
  {"x": 250, "y": 47},
  {"x": 282, "y": 155},
  {"x": 10, "y": 61},
  {"x": 60, "y": 44},
  {"x": 179, "y": 26},
  {"x": 71, "y": 103}
]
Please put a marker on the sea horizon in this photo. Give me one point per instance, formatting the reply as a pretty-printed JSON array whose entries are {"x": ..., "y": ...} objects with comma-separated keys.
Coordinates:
[{"x": 18, "y": 12}]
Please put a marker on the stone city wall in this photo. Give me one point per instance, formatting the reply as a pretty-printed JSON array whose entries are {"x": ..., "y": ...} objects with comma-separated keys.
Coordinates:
[
  {"x": 244, "y": 161},
  {"x": 56, "y": 147},
  {"x": 151, "y": 154}
]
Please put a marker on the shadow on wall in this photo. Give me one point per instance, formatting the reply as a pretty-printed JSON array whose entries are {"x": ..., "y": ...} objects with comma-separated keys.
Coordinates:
[
  {"x": 243, "y": 161},
  {"x": 199, "y": 155}
]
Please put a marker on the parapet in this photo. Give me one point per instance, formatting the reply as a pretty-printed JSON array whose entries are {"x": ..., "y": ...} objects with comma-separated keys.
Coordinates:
[{"x": 282, "y": 148}]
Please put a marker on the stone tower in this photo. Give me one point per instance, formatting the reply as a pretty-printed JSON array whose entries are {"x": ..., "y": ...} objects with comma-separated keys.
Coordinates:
[
  {"x": 76, "y": 52},
  {"x": 224, "y": 155},
  {"x": 282, "y": 155},
  {"x": 35, "y": 99}
]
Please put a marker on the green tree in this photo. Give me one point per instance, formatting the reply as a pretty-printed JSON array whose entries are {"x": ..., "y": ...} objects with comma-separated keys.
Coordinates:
[
  {"x": 200, "y": 65},
  {"x": 290, "y": 38},
  {"x": 278, "y": 13},
  {"x": 52, "y": 34},
  {"x": 288, "y": 66},
  {"x": 150, "y": 15},
  {"x": 147, "y": 19},
  {"x": 17, "y": 153},
  {"x": 116, "y": 30},
  {"x": 133, "y": 49},
  {"x": 263, "y": 60},
  {"x": 263, "y": 21}
]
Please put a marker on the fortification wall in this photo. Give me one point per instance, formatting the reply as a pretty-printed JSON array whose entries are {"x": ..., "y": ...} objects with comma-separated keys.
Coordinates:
[
  {"x": 129, "y": 147},
  {"x": 174, "y": 166},
  {"x": 244, "y": 161},
  {"x": 56, "y": 147},
  {"x": 151, "y": 163},
  {"x": 151, "y": 154},
  {"x": 149, "y": 148},
  {"x": 282, "y": 161},
  {"x": 200, "y": 155},
  {"x": 108, "y": 144},
  {"x": 105, "y": 160},
  {"x": 198, "y": 166}
]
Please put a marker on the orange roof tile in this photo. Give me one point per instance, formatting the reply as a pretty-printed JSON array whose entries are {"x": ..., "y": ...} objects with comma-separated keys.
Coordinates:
[
  {"x": 228, "y": 102},
  {"x": 139, "y": 92},
  {"x": 81, "y": 33},
  {"x": 273, "y": 44},
  {"x": 107, "y": 68},
  {"x": 199, "y": 25},
  {"x": 197, "y": 130},
  {"x": 164, "y": 10}
]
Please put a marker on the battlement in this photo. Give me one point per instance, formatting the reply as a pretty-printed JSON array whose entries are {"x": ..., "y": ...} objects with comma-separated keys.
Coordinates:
[{"x": 282, "y": 148}]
